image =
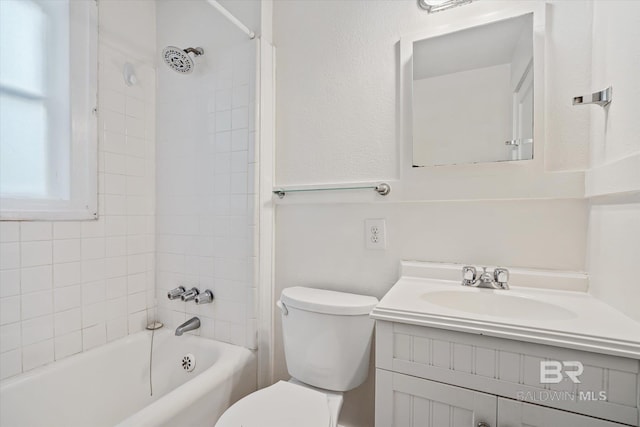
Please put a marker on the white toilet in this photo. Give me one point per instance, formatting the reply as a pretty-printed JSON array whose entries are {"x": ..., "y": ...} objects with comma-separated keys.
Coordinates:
[{"x": 327, "y": 343}]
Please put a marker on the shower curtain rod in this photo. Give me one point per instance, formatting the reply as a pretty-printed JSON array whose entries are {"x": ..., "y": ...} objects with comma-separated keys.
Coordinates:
[{"x": 232, "y": 18}]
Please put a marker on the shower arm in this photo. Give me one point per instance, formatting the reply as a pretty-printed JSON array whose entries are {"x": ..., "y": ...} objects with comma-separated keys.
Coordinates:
[
  {"x": 196, "y": 51},
  {"x": 232, "y": 18}
]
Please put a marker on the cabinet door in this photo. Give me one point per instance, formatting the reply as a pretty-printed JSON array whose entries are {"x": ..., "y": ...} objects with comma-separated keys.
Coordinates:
[
  {"x": 406, "y": 401},
  {"x": 512, "y": 413}
]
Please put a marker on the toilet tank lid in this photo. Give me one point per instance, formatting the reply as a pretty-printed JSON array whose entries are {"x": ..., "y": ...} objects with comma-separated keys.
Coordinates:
[{"x": 327, "y": 302}]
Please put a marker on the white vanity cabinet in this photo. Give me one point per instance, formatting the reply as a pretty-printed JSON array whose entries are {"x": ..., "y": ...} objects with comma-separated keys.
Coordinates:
[
  {"x": 406, "y": 401},
  {"x": 519, "y": 414},
  {"x": 434, "y": 377}
]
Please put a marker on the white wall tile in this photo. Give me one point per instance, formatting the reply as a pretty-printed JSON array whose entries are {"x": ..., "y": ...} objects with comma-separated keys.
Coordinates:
[
  {"x": 35, "y": 230},
  {"x": 137, "y": 322},
  {"x": 67, "y": 274},
  {"x": 115, "y": 266},
  {"x": 240, "y": 118},
  {"x": 10, "y": 363},
  {"x": 239, "y": 139},
  {"x": 116, "y": 328},
  {"x": 35, "y": 279},
  {"x": 9, "y": 255},
  {"x": 93, "y": 248},
  {"x": 10, "y": 337},
  {"x": 116, "y": 287},
  {"x": 36, "y": 253},
  {"x": 9, "y": 231},
  {"x": 9, "y": 310},
  {"x": 67, "y": 250},
  {"x": 93, "y": 314},
  {"x": 67, "y": 345},
  {"x": 115, "y": 225},
  {"x": 37, "y": 354},
  {"x": 67, "y": 298},
  {"x": 223, "y": 121},
  {"x": 223, "y": 99},
  {"x": 240, "y": 96},
  {"x": 94, "y": 336},
  {"x": 36, "y": 330},
  {"x": 37, "y": 304},
  {"x": 93, "y": 228},
  {"x": 136, "y": 283},
  {"x": 93, "y": 292},
  {"x": 116, "y": 308},
  {"x": 134, "y": 107},
  {"x": 66, "y": 230},
  {"x": 9, "y": 283},
  {"x": 93, "y": 270},
  {"x": 136, "y": 302},
  {"x": 67, "y": 321},
  {"x": 116, "y": 246}
]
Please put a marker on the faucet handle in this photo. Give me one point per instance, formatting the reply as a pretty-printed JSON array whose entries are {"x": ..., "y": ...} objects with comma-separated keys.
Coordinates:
[
  {"x": 501, "y": 276},
  {"x": 175, "y": 292},
  {"x": 469, "y": 274},
  {"x": 190, "y": 294},
  {"x": 204, "y": 298}
]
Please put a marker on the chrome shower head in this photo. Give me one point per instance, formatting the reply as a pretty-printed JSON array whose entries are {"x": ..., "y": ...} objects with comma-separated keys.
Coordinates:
[{"x": 179, "y": 60}]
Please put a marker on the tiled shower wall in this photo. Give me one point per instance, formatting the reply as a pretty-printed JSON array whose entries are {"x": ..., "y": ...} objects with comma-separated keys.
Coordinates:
[
  {"x": 69, "y": 286},
  {"x": 206, "y": 219}
]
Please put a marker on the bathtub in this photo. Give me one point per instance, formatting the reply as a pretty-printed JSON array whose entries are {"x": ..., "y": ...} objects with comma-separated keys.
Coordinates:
[{"x": 109, "y": 385}]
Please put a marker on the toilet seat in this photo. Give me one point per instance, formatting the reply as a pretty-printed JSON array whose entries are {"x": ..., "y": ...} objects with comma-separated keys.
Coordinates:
[{"x": 283, "y": 404}]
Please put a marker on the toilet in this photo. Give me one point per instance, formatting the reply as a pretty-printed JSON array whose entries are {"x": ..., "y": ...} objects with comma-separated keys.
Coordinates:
[{"x": 327, "y": 344}]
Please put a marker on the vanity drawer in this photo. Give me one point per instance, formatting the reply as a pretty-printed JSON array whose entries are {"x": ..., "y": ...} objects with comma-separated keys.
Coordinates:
[{"x": 608, "y": 386}]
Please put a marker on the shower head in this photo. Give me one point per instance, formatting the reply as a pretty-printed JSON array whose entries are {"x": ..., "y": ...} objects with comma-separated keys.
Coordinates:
[{"x": 179, "y": 60}]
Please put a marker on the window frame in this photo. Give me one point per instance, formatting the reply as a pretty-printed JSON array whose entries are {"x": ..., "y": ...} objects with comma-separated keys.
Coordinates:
[{"x": 79, "y": 198}]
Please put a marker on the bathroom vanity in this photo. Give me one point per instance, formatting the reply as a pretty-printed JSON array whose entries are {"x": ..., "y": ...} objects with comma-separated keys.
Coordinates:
[{"x": 521, "y": 357}]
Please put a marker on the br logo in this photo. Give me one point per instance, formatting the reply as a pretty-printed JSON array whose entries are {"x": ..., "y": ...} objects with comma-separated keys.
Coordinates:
[{"x": 553, "y": 371}]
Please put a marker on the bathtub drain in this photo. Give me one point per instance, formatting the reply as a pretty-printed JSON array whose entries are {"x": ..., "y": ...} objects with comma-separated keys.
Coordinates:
[{"x": 188, "y": 362}]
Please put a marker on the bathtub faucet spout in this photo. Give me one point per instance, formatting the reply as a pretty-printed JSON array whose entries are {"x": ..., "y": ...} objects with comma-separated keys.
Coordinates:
[{"x": 189, "y": 325}]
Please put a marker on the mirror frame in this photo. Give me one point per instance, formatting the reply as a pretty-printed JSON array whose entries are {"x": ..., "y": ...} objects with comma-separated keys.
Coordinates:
[
  {"x": 491, "y": 180},
  {"x": 425, "y": 147}
]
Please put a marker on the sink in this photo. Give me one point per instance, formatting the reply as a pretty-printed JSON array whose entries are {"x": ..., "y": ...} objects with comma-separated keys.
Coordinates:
[{"x": 496, "y": 303}]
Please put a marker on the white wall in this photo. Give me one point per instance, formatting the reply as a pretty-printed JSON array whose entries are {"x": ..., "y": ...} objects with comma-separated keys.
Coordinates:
[
  {"x": 67, "y": 287},
  {"x": 206, "y": 171},
  {"x": 337, "y": 85},
  {"x": 614, "y": 221},
  {"x": 349, "y": 50}
]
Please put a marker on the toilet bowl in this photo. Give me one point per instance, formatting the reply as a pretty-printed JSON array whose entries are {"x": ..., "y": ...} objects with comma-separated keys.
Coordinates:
[
  {"x": 327, "y": 345},
  {"x": 285, "y": 404}
]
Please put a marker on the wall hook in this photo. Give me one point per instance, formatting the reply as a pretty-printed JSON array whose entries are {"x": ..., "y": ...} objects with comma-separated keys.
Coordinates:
[
  {"x": 601, "y": 98},
  {"x": 129, "y": 74}
]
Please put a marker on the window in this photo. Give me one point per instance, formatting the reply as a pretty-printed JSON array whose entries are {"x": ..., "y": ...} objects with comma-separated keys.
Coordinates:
[{"x": 48, "y": 130}]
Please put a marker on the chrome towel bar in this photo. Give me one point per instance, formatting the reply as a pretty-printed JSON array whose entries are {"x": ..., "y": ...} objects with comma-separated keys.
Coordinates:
[{"x": 382, "y": 189}]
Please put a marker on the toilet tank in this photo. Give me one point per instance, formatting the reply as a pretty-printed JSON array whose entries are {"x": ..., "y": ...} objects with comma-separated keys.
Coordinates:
[{"x": 327, "y": 336}]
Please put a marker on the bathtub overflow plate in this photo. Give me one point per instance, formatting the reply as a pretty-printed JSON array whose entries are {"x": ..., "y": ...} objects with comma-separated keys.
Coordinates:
[{"x": 188, "y": 362}]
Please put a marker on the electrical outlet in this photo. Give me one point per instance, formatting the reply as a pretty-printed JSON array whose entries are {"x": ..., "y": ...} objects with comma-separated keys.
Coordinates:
[{"x": 375, "y": 234}]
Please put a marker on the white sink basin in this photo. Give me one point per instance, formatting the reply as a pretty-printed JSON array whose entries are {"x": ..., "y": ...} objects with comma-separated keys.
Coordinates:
[{"x": 497, "y": 303}]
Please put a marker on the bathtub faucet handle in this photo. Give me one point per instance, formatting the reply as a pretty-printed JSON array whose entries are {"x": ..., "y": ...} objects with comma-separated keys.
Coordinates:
[
  {"x": 190, "y": 294},
  {"x": 175, "y": 293},
  {"x": 204, "y": 298}
]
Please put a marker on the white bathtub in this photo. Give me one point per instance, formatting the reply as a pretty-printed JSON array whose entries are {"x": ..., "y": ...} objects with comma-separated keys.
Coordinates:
[{"x": 109, "y": 386}]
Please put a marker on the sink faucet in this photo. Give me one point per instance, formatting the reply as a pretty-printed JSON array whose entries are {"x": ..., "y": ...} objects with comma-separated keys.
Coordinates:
[
  {"x": 497, "y": 279},
  {"x": 189, "y": 325}
]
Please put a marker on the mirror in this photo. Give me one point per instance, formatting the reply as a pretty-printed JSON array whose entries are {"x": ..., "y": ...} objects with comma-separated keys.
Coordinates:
[{"x": 473, "y": 95}]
